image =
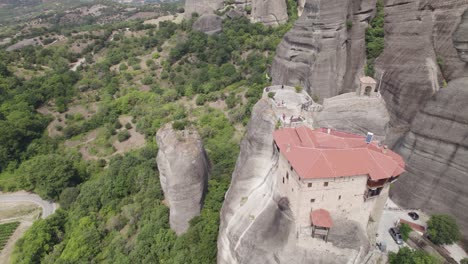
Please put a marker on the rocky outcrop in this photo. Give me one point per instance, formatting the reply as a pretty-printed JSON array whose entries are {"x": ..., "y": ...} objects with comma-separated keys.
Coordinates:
[
  {"x": 355, "y": 114},
  {"x": 202, "y": 7},
  {"x": 256, "y": 223},
  {"x": 269, "y": 12},
  {"x": 209, "y": 24},
  {"x": 324, "y": 52},
  {"x": 183, "y": 171},
  {"x": 436, "y": 154},
  {"x": 419, "y": 54}
]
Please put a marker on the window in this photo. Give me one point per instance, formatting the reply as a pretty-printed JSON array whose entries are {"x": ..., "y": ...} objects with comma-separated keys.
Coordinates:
[
  {"x": 339, "y": 197},
  {"x": 309, "y": 184},
  {"x": 283, "y": 180},
  {"x": 291, "y": 168},
  {"x": 325, "y": 184},
  {"x": 312, "y": 200},
  {"x": 287, "y": 175}
]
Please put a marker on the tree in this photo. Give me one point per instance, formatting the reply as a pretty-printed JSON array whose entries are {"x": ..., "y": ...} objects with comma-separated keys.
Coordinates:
[
  {"x": 464, "y": 261},
  {"x": 48, "y": 175},
  {"x": 443, "y": 229},
  {"x": 407, "y": 256},
  {"x": 405, "y": 230}
]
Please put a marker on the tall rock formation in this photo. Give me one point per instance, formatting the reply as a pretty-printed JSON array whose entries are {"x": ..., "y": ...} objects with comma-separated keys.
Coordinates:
[
  {"x": 202, "y": 7},
  {"x": 256, "y": 223},
  {"x": 324, "y": 52},
  {"x": 269, "y": 12},
  {"x": 419, "y": 54},
  {"x": 183, "y": 171},
  {"x": 436, "y": 153},
  {"x": 355, "y": 114}
]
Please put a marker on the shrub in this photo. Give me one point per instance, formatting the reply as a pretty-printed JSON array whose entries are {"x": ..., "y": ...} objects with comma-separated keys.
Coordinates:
[
  {"x": 117, "y": 124},
  {"x": 201, "y": 99},
  {"x": 179, "y": 124},
  {"x": 464, "y": 261},
  {"x": 349, "y": 24},
  {"x": 128, "y": 126},
  {"x": 443, "y": 229},
  {"x": 123, "y": 135},
  {"x": 298, "y": 88},
  {"x": 405, "y": 230},
  {"x": 271, "y": 94}
]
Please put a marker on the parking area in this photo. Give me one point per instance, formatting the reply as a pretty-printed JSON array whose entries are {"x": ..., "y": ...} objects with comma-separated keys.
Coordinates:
[{"x": 392, "y": 213}]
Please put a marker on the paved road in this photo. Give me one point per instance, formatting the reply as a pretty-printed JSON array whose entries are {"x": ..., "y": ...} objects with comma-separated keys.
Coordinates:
[{"x": 48, "y": 208}]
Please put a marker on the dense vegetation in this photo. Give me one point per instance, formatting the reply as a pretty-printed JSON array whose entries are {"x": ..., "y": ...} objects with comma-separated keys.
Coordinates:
[
  {"x": 375, "y": 38},
  {"x": 408, "y": 256},
  {"x": 112, "y": 208},
  {"x": 443, "y": 229},
  {"x": 6, "y": 230}
]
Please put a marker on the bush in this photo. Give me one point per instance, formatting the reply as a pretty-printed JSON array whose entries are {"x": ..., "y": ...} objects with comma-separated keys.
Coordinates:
[
  {"x": 123, "y": 135},
  {"x": 298, "y": 88},
  {"x": 464, "y": 261},
  {"x": 179, "y": 125},
  {"x": 128, "y": 126},
  {"x": 443, "y": 229},
  {"x": 405, "y": 230},
  {"x": 271, "y": 94},
  {"x": 407, "y": 256},
  {"x": 201, "y": 99}
]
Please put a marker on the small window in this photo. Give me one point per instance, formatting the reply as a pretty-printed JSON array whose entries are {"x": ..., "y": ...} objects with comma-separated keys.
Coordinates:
[
  {"x": 283, "y": 180},
  {"x": 287, "y": 175},
  {"x": 291, "y": 168},
  {"x": 292, "y": 189},
  {"x": 325, "y": 184},
  {"x": 339, "y": 197},
  {"x": 309, "y": 184},
  {"x": 312, "y": 200}
]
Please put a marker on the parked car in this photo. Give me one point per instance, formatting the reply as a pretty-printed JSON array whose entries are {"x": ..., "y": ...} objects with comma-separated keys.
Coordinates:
[
  {"x": 413, "y": 215},
  {"x": 396, "y": 236}
]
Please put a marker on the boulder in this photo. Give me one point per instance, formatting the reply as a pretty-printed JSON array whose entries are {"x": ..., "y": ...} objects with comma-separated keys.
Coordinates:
[
  {"x": 270, "y": 12},
  {"x": 325, "y": 50},
  {"x": 209, "y": 24},
  {"x": 436, "y": 154},
  {"x": 183, "y": 171},
  {"x": 202, "y": 7},
  {"x": 354, "y": 114}
]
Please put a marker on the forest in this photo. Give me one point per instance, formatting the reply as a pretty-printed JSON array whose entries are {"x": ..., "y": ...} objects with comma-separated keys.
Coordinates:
[{"x": 111, "y": 205}]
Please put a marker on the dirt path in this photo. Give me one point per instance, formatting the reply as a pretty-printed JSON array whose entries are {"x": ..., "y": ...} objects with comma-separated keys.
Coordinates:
[{"x": 48, "y": 208}]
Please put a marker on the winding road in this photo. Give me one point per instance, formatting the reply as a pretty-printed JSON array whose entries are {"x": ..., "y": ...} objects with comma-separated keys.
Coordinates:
[{"x": 48, "y": 208}]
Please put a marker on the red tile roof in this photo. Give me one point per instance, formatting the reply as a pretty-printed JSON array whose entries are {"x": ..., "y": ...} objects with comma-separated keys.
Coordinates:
[
  {"x": 315, "y": 154},
  {"x": 321, "y": 217}
]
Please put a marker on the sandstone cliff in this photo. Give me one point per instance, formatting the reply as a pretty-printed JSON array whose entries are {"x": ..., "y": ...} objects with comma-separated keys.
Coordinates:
[
  {"x": 256, "y": 224},
  {"x": 269, "y": 12},
  {"x": 324, "y": 52},
  {"x": 419, "y": 54},
  {"x": 436, "y": 153},
  {"x": 202, "y": 7},
  {"x": 183, "y": 171},
  {"x": 355, "y": 114}
]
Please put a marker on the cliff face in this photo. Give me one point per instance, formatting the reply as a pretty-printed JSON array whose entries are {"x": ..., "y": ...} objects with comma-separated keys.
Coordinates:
[
  {"x": 256, "y": 223},
  {"x": 183, "y": 171},
  {"x": 355, "y": 114},
  {"x": 202, "y": 7},
  {"x": 419, "y": 53},
  {"x": 436, "y": 152},
  {"x": 324, "y": 52},
  {"x": 269, "y": 12}
]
